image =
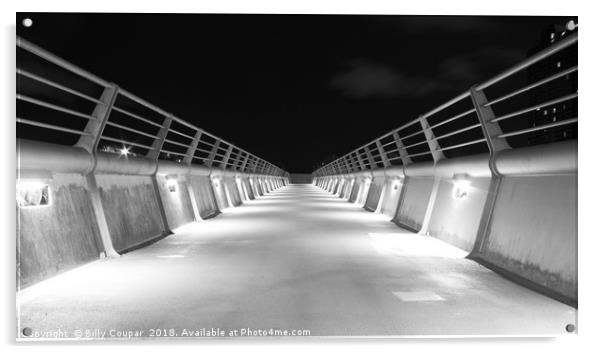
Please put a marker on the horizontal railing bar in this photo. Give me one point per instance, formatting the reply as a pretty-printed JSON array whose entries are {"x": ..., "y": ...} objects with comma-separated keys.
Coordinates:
[
  {"x": 180, "y": 133},
  {"x": 554, "y": 48},
  {"x": 176, "y": 143},
  {"x": 206, "y": 143},
  {"x": 420, "y": 153},
  {"x": 142, "y": 102},
  {"x": 54, "y": 107},
  {"x": 58, "y": 86},
  {"x": 130, "y": 129},
  {"x": 203, "y": 150},
  {"x": 445, "y": 105},
  {"x": 133, "y": 115},
  {"x": 416, "y": 144},
  {"x": 409, "y": 135},
  {"x": 470, "y": 127},
  {"x": 425, "y": 115},
  {"x": 34, "y": 49},
  {"x": 472, "y": 110},
  {"x": 50, "y": 126},
  {"x": 173, "y": 152},
  {"x": 125, "y": 142},
  {"x": 534, "y": 107},
  {"x": 389, "y": 143},
  {"x": 532, "y": 86},
  {"x": 541, "y": 127},
  {"x": 200, "y": 158},
  {"x": 462, "y": 144}
]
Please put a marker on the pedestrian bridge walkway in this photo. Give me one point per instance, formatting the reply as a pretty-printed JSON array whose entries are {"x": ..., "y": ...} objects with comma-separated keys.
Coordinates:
[{"x": 298, "y": 258}]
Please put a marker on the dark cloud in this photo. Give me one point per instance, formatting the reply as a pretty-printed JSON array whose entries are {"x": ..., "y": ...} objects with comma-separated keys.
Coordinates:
[{"x": 365, "y": 78}]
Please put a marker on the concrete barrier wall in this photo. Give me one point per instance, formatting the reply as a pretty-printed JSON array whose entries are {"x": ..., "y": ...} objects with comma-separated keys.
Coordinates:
[
  {"x": 391, "y": 196},
  {"x": 45, "y": 246},
  {"x": 258, "y": 186},
  {"x": 456, "y": 221},
  {"x": 203, "y": 195},
  {"x": 177, "y": 203},
  {"x": 374, "y": 192},
  {"x": 105, "y": 203},
  {"x": 131, "y": 209},
  {"x": 247, "y": 186},
  {"x": 416, "y": 194},
  {"x": 219, "y": 190},
  {"x": 232, "y": 190},
  {"x": 533, "y": 231},
  {"x": 349, "y": 187},
  {"x": 353, "y": 196},
  {"x": 522, "y": 223},
  {"x": 344, "y": 185}
]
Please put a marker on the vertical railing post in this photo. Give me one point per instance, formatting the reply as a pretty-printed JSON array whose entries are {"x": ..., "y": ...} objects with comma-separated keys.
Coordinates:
[
  {"x": 94, "y": 128},
  {"x": 192, "y": 148},
  {"x": 359, "y": 160},
  {"x": 101, "y": 113},
  {"x": 370, "y": 158},
  {"x": 491, "y": 131},
  {"x": 224, "y": 164},
  {"x": 213, "y": 153},
  {"x": 158, "y": 143},
  {"x": 437, "y": 156},
  {"x": 244, "y": 165},
  {"x": 188, "y": 161},
  {"x": 403, "y": 153},
  {"x": 347, "y": 165},
  {"x": 431, "y": 140},
  {"x": 383, "y": 155},
  {"x": 154, "y": 154}
]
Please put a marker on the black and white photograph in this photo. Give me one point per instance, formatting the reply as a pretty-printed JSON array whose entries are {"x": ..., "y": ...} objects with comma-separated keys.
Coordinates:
[{"x": 193, "y": 176}]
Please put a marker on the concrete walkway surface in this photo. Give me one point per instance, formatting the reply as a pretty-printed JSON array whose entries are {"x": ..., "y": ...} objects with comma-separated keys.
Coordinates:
[{"x": 298, "y": 258}]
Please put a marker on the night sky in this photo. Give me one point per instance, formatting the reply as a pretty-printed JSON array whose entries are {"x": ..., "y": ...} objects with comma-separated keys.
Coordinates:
[{"x": 296, "y": 90}]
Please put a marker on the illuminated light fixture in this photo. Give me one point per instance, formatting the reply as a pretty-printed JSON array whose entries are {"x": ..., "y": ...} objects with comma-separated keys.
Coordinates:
[
  {"x": 461, "y": 186},
  {"x": 32, "y": 193},
  {"x": 124, "y": 151},
  {"x": 396, "y": 183},
  {"x": 172, "y": 184}
]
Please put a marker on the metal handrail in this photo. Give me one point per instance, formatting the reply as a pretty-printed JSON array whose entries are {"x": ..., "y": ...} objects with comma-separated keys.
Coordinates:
[
  {"x": 57, "y": 85},
  {"x": 54, "y": 107},
  {"x": 223, "y": 145},
  {"x": 50, "y": 126},
  {"x": 360, "y": 158}
]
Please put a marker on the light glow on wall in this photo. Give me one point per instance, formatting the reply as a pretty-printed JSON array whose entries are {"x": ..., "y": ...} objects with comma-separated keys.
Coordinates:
[
  {"x": 461, "y": 188},
  {"x": 396, "y": 183},
  {"x": 32, "y": 193},
  {"x": 172, "y": 184}
]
